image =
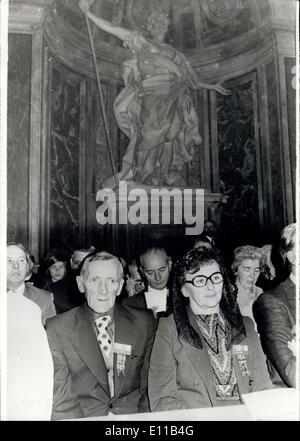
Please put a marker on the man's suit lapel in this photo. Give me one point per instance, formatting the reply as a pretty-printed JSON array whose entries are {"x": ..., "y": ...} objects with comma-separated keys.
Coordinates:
[
  {"x": 125, "y": 333},
  {"x": 85, "y": 343}
]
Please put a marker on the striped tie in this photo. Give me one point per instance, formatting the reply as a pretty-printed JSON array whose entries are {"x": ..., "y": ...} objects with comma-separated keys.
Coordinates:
[{"x": 103, "y": 336}]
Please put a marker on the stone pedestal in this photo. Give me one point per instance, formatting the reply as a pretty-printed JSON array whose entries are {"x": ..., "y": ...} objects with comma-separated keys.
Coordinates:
[{"x": 136, "y": 215}]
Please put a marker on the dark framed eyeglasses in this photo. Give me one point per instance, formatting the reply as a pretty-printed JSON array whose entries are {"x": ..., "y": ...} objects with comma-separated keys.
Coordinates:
[{"x": 200, "y": 281}]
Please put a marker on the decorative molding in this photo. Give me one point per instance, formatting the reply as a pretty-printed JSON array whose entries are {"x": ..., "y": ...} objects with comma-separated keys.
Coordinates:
[
  {"x": 265, "y": 143},
  {"x": 221, "y": 12},
  {"x": 205, "y": 146},
  {"x": 239, "y": 65},
  {"x": 72, "y": 48},
  {"x": 223, "y": 60},
  {"x": 215, "y": 175},
  {"x": 27, "y": 18},
  {"x": 35, "y": 142},
  {"x": 283, "y": 12},
  {"x": 286, "y": 42},
  {"x": 285, "y": 143},
  {"x": 45, "y": 143}
]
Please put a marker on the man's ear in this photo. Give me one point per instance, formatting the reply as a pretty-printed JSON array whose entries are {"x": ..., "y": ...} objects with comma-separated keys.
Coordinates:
[
  {"x": 141, "y": 271},
  {"x": 80, "y": 284},
  {"x": 170, "y": 263},
  {"x": 28, "y": 269},
  {"x": 120, "y": 287},
  {"x": 185, "y": 292}
]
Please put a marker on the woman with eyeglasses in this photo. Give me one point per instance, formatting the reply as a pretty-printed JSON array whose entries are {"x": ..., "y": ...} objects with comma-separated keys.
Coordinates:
[{"x": 205, "y": 354}]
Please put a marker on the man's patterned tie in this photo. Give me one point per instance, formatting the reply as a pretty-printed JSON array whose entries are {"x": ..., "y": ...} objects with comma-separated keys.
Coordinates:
[{"x": 103, "y": 337}]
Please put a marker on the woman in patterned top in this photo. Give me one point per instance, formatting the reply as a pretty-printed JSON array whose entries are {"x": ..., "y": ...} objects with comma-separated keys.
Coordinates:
[{"x": 205, "y": 354}]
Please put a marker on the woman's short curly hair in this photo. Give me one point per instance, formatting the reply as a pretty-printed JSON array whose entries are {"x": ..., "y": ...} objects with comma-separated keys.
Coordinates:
[
  {"x": 192, "y": 261},
  {"x": 247, "y": 252}
]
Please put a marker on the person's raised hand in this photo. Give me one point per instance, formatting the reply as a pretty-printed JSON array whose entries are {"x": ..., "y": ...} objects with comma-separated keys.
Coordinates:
[
  {"x": 130, "y": 286},
  {"x": 85, "y": 5}
]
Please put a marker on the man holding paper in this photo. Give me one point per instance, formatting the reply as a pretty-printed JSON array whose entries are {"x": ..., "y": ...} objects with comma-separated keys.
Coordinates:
[
  {"x": 155, "y": 266},
  {"x": 100, "y": 349}
]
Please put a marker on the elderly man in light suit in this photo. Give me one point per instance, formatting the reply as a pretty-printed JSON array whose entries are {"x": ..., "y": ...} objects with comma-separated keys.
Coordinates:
[
  {"x": 101, "y": 349},
  {"x": 18, "y": 267}
]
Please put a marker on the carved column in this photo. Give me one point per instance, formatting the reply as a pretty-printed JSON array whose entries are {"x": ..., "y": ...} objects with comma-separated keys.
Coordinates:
[{"x": 28, "y": 19}]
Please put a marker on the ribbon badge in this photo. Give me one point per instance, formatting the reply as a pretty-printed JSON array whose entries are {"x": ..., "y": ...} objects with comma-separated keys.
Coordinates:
[
  {"x": 241, "y": 351},
  {"x": 121, "y": 359},
  {"x": 121, "y": 350}
]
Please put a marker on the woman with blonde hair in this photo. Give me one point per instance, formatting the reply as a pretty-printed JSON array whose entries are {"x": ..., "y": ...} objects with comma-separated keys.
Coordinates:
[{"x": 248, "y": 262}]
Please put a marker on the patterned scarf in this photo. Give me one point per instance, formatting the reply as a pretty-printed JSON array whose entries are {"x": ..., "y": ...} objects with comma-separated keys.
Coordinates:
[{"x": 213, "y": 331}]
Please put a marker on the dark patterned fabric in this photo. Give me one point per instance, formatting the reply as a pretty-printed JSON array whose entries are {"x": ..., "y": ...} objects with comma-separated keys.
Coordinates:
[{"x": 214, "y": 335}]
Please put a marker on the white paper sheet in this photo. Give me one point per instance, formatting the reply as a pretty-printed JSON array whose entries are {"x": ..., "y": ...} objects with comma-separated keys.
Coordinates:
[{"x": 279, "y": 404}]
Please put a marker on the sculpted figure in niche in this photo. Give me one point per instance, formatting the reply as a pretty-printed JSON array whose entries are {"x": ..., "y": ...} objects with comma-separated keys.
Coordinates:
[{"x": 155, "y": 108}]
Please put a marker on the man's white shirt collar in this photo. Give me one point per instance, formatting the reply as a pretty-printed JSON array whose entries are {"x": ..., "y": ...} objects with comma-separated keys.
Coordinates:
[
  {"x": 161, "y": 291},
  {"x": 156, "y": 298}
]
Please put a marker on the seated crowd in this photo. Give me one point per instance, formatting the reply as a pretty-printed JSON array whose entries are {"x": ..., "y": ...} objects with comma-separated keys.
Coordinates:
[{"x": 155, "y": 333}]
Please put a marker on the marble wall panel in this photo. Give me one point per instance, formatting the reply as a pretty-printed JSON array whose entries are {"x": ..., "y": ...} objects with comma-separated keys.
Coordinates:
[
  {"x": 238, "y": 163},
  {"x": 275, "y": 148},
  {"x": 290, "y": 72},
  {"x": 103, "y": 168},
  {"x": 64, "y": 158},
  {"x": 194, "y": 169},
  {"x": 18, "y": 136}
]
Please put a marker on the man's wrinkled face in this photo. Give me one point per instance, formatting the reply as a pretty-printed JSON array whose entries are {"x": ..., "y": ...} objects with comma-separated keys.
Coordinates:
[
  {"x": 156, "y": 268},
  {"x": 17, "y": 266},
  {"x": 102, "y": 284}
]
